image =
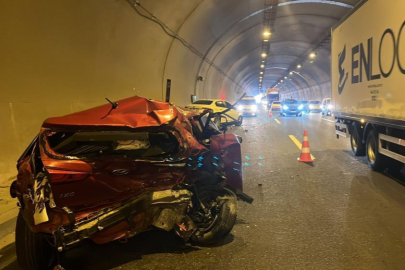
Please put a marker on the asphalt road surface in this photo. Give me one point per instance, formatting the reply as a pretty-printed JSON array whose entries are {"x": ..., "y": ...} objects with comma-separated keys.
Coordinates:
[{"x": 332, "y": 214}]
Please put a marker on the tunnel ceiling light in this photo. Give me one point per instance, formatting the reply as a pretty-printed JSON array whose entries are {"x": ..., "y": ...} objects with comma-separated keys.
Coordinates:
[
  {"x": 264, "y": 55},
  {"x": 265, "y": 40},
  {"x": 263, "y": 61},
  {"x": 312, "y": 55},
  {"x": 282, "y": 81},
  {"x": 261, "y": 72},
  {"x": 261, "y": 77},
  {"x": 299, "y": 66},
  {"x": 262, "y": 66},
  {"x": 266, "y": 33},
  {"x": 285, "y": 77},
  {"x": 291, "y": 73},
  {"x": 311, "y": 62}
]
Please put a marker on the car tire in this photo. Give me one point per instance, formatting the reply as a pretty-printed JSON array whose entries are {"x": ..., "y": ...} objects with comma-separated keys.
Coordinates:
[
  {"x": 32, "y": 249},
  {"x": 375, "y": 160},
  {"x": 224, "y": 219},
  {"x": 358, "y": 147}
]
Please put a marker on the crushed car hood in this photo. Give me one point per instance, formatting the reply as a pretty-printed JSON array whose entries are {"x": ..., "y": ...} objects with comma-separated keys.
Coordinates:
[{"x": 133, "y": 112}]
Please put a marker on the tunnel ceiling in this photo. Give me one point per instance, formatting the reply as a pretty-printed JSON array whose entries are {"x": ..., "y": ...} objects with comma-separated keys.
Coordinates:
[{"x": 228, "y": 34}]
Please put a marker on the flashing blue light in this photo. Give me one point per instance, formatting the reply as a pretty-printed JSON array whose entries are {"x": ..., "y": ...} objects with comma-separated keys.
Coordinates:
[
  {"x": 247, "y": 164},
  {"x": 200, "y": 164},
  {"x": 190, "y": 158},
  {"x": 247, "y": 157},
  {"x": 216, "y": 158},
  {"x": 235, "y": 169},
  {"x": 237, "y": 163},
  {"x": 214, "y": 164},
  {"x": 189, "y": 165},
  {"x": 260, "y": 164}
]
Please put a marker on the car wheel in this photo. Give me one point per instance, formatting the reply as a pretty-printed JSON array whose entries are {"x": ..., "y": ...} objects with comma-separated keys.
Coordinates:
[
  {"x": 33, "y": 249},
  {"x": 222, "y": 204},
  {"x": 375, "y": 160},
  {"x": 356, "y": 142}
]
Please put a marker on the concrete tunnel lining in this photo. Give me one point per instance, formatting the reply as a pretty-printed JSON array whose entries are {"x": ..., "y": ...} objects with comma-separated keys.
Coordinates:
[{"x": 64, "y": 56}]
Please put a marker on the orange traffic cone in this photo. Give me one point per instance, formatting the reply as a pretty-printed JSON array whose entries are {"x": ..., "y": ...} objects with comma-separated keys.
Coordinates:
[
  {"x": 305, "y": 153},
  {"x": 270, "y": 113}
]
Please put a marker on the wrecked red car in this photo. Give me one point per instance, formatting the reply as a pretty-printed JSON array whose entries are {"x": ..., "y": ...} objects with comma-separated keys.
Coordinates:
[{"x": 114, "y": 171}]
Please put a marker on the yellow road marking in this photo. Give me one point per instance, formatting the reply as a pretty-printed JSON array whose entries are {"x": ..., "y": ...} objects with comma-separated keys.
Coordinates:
[
  {"x": 328, "y": 120},
  {"x": 278, "y": 122},
  {"x": 297, "y": 143}
]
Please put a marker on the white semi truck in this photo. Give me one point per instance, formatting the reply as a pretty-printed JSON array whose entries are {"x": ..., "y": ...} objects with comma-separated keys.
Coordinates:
[{"x": 368, "y": 81}]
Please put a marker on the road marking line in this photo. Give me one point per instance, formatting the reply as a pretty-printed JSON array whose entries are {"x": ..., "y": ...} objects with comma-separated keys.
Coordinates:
[
  {"x": 328, "y": 120},
  {"x": 278, "y": 122},
  {"x": 297, "y": 143}
]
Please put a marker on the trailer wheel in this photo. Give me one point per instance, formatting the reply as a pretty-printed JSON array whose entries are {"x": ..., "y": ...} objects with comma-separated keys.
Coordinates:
[
  {"x": 375, "y": 160},
  {"x": 356, "y": 142}
]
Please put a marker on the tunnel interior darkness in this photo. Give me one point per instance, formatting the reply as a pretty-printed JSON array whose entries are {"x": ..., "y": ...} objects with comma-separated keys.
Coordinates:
[{"x": 58, "y": 57}]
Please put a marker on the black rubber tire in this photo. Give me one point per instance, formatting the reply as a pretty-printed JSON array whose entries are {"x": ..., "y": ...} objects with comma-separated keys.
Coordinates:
[
  {"x": 32, "y": 249},
  {"x": 375, "y": 160},
  {"x": 225, "y": 219},
  {"x": 356, "y": 143}
]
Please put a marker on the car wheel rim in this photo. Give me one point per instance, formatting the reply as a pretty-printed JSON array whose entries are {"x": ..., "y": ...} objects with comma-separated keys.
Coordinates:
[
  {"x": 371, "y": 152},
  {"x": 354, "y": 142}
]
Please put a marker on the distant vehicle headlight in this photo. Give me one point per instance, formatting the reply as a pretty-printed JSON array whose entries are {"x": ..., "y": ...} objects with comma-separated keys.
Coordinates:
[
  {"x": 311, "y": 106},
  {"x": 285, "y": 107},
  {"x": 330, "y": 106},
  {"x": 301, "y": 107},
  {"x": 254, "y": 108},
  {"x": 240, "y": 107}
]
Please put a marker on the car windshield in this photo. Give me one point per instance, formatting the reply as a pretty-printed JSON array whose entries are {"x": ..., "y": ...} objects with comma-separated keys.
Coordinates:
[
  {"x": 315, "y": 102},
  {"x": 276, "y": 102},
  {"x": 304, "y": 102},
  {"x": 203, "y": 102},
  {"x": 247, "y": 102},
  {"x": 290, "y": 101}
]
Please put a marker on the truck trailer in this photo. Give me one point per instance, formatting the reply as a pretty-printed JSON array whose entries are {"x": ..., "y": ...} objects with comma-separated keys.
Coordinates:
[{"x": 368, "y": 81}]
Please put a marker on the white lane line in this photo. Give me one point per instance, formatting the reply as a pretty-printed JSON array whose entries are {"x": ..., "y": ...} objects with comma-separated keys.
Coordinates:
[{"x": 278, "y": 122}]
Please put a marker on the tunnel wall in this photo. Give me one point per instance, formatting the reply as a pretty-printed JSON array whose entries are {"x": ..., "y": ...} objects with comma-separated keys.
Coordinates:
[{"x": 59, "y": 57}]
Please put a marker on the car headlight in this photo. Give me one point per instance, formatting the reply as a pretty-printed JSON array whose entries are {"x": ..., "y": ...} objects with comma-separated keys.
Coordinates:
[
  {"x": 240, "y": 107},
  {"x": 301, "y": 107},
  {"x": 322, "y": 107},
  {"x": 311, "y": 106},
  {"x": 330, "y": 106},
  {"x": 285, "y": 107},
  {"x": 254, "y": 108}
]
